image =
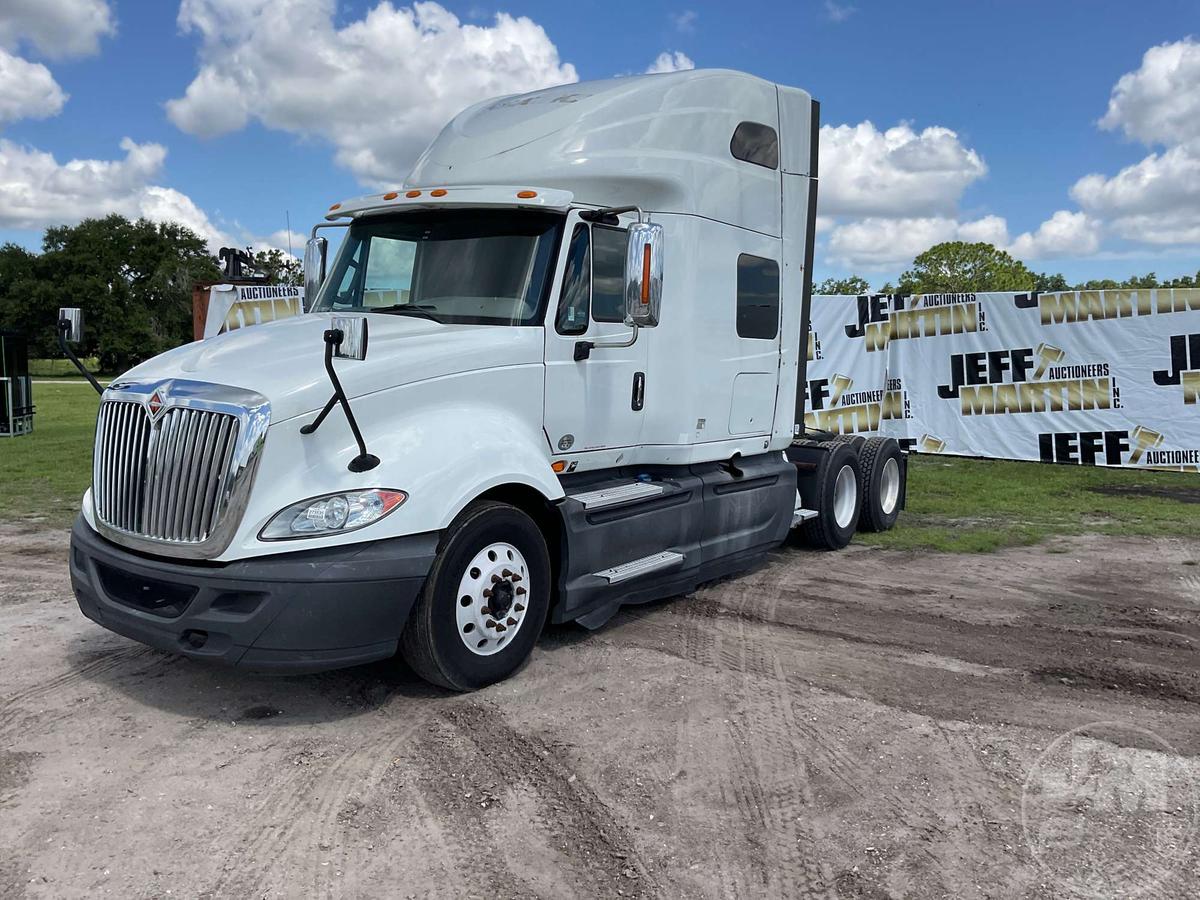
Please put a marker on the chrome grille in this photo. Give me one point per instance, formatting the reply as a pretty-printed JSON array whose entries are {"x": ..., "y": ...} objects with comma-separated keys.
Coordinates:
[{"x": 165, "y": 480}]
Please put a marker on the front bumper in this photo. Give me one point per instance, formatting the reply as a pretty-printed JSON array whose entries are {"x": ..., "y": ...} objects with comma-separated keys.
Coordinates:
[{"x": 294, "y": 612}]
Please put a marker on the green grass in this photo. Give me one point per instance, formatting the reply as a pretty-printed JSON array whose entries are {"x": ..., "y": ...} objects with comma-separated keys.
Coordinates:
[
  {"x": 60, "y": 368},
  {"x": 43, "y": 475},
  {"x": 961, "y": 505},
  {"x": 972, "y": 505}
]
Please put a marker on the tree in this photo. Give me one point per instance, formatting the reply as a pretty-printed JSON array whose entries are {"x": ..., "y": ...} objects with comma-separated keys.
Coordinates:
[
  {"x": 133, "y": 281},
  {"x": 854, "y": 284},
  {"x": 958, "y": 267},
  {"x": 279, "y": 267},
  {"x": 1044, "y": 281}
]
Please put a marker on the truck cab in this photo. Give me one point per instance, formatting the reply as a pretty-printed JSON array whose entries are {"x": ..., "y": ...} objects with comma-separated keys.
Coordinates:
[{"x": 552, "y": 372}]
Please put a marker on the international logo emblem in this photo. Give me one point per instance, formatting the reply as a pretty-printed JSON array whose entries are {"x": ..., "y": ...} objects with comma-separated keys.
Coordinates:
[{"x": 155, "y": 405}]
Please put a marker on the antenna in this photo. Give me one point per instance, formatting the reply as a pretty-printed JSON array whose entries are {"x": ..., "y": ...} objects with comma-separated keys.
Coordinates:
[{"x": 288, "y": 216}]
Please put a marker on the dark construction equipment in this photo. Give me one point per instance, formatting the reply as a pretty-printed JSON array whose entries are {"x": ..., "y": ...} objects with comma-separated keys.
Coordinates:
[{"x": 16, "y": 387}]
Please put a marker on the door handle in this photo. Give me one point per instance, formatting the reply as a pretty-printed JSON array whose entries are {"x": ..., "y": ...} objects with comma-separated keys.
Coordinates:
[{"x": 639, "y": 391}]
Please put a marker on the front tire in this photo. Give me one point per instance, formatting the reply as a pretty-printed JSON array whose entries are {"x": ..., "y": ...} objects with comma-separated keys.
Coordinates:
[{"x": 485, "y": 600}]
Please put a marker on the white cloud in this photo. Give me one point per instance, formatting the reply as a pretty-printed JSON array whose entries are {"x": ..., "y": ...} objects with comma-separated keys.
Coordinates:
[
  {"x": 1155, "y": 201},
  {"x": 878, "y": 242},
  {"x": 58, "y": 28},
  {"x": 670, "y": 62},
  {"x": 839, "y": 12},
  {"x": 899, "y": 172},
  {"x": 1064, "y": 234},
  {"x": 36, "y": 191},
  {"x": 875, "y": 242},
  {"x": 1159, "y": 103},
  {"x": 378, "y": 88},
  {"x": 685, "y": 21},
  {"x": 27, "y": 90}
]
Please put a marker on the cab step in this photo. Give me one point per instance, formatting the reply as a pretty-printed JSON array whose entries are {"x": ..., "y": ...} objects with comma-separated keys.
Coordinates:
[
  {"x": 647, "y": 564},
  {"x": 617, "y": 494}
]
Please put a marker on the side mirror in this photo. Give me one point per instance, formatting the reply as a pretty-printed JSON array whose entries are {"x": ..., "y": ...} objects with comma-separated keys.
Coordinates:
[
  {"x": 644, "y": 274},
  {"x": 70, "y": 324},
  {"x": 314, "y": 269},
  {"x": 354, "y": 337}
]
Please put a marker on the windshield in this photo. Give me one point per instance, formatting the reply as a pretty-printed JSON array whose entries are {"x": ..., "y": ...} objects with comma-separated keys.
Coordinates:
[{"x": 476, "y": 267}]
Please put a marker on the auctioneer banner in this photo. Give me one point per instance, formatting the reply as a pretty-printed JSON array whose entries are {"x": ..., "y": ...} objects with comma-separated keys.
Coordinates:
[
  {"x": 1092, "y": 377},
  {"x": 235, "y": 306}
]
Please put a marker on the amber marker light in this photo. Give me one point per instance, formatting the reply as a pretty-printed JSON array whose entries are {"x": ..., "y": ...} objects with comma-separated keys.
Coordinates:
[
  {"x": 390, "y": 195},
  {"x": 645, "y": 273},
  {"x": 411, "y": 194},
  {"x": 335, "y": 206},
  {"x": 440, "y": 192},
  {"x": 559, "y": 466},
  {"x": 526, "y": 195}
]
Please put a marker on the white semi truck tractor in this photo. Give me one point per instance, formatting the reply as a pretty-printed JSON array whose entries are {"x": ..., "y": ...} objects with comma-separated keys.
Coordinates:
[{"x": 559, "y": 370}]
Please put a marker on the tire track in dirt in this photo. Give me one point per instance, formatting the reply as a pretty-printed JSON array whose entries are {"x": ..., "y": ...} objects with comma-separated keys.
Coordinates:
[
  {"x": 307, "y": 801},
  {"x": 104, "y": 662},
  {"x": 741, "y": 807},
  {"x": 769, "y": 779},
  {"x": 567, "y": 808}
]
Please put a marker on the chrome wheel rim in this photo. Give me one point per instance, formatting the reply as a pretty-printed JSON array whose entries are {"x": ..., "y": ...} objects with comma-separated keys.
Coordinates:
[
  {"x": 889, "y": 486},
  {"x": 493, "y": 598},
  {"x": 845, "y": 497}
]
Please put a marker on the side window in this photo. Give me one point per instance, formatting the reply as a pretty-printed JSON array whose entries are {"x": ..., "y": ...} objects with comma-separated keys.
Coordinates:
[
  {"x": 756, "y": 143},
  {"x": 572, "y": 315},
  {"x": 608, "y": 273},
  {"x": 757, "y": 297}
]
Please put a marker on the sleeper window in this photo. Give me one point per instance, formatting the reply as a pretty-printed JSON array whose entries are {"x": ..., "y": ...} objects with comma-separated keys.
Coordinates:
[
  {"x": 756, "y": 143},
  {"x": 757, "y": 297}
]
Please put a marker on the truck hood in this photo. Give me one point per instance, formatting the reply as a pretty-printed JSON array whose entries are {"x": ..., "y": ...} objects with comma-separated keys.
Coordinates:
[{"x": 285, "y": 360}]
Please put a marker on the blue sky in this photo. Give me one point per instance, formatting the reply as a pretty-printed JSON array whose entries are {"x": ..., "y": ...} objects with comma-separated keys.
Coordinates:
[{"x": 983, "y": 117}]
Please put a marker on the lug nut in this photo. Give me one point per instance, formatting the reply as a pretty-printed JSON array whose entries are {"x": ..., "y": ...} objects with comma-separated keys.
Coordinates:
[
  {"x": 515, "y": 577},
  {"x": 496, "y": 579},
  {"x": 518, "y": 607},
  {"x": 506, "y": 573},
  {"x": 520, "y": 591},
  {"x": 511, "y": 621},
  {"x": 487, "y": 592},
  {"x": 500, "y": 627},
  {"x": 489, "y": 624},
  {"x": 485, "y": 610}
]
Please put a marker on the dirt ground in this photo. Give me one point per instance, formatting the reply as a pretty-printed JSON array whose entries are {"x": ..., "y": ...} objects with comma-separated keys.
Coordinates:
[{"x": 867, "y": 724}]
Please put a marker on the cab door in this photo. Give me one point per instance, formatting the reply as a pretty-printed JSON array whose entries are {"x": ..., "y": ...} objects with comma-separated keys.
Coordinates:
[{"x": 592, "y": 403}]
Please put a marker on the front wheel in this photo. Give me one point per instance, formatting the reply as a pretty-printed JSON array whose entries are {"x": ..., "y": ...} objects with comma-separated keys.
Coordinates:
[{"x": 484, "y": 602}]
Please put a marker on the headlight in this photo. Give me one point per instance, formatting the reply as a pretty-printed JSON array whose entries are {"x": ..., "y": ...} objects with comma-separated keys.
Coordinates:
[{"x": 332, "y": 514}]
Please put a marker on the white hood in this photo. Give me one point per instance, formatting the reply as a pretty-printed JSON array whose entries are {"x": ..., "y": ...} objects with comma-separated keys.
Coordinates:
[{"x": 284, "y": 360}]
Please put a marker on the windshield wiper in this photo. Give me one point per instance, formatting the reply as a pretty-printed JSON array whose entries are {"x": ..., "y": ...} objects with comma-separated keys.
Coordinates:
[{"x": 406, "y": 309}]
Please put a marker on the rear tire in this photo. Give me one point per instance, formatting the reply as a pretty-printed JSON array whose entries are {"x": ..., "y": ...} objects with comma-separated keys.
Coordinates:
[
  {"x": 837, "y": 496},
  {"x": 453, "y": 637},
  {"x": 882, "y": 484}
]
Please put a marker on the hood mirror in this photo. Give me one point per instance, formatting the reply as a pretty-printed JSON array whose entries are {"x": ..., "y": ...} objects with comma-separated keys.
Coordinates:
[
  {"x": 345, "y": 339},
  {"x": 70, "y": 331},
  {"x": 70, "y": 324},
  {"x": 354, "y": 337}
]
